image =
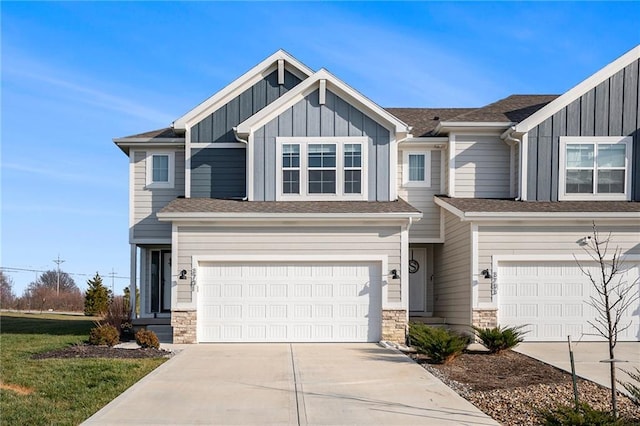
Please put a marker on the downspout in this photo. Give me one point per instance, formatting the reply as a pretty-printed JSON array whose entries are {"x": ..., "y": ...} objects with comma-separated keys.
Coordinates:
[
  {"x": 511, "y": 141},
  {"x": 246, "y": 142}
]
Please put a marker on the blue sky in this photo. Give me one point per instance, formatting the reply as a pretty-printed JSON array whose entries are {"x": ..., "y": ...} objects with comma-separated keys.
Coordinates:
[{"x": 75, "y": 75}]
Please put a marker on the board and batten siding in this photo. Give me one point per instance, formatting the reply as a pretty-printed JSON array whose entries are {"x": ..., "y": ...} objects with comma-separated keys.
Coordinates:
[
  {"x": 609, "y": 109},
  {"x": 314, "y": 241},
  {"x": 482, "y": 167},
  {"x": 218, "y": 126},
  {"x": 307, "y": 118},
  {"x": 421, "y": 198},
  {"x": 218, "y": 172},
  {"x": 452, "y": 280},
  {"x": 546, "y": 240},
  {"x": 147, "y": 202}
]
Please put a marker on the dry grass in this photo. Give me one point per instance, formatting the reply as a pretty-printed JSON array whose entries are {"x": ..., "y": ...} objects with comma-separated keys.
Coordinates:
[{"x": 20, "y": 390}]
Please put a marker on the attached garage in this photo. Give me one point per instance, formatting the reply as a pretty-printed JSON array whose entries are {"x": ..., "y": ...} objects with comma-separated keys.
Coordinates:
[
  {"x": 550, "y": 297},
  {"x": 289, "y": 302}
]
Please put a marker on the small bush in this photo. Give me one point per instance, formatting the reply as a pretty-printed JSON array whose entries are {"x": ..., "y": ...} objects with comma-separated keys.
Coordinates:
[
  {"x": 565, "y": 415},
  {"x": 498, "y": 339},
  {"x": 118, "y": 315},
  {"x": 631, "y": 387},
  {"x": 439, "y": 344},
  {"x": 104, "y": 334},
  {"x": 147, "y": 339}
]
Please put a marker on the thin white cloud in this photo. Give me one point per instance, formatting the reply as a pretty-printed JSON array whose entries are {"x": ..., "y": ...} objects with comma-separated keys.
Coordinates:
[{"x": 18, "y": 68}]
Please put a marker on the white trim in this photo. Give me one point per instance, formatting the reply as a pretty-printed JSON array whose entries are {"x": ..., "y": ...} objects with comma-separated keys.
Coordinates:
[
  {"x": 580, "y": 257},
  {"x": 171, "y": 170},
  {"x": 474, "y": 265},
  {"x": 393, "y": 167},
  {"x": 339, "y": 142},
  {"x": 404, "y": 266},
  {"x": 196, "y": 260},
  {"x": 133, "y": 270},
  {"x": 524, "y": 168},
  {"x": 595, "y": 140},
  {"x": 280, "y": 71},
  {"x": 241, "y": 84},
  {"x": 152, "y": 143},
  {"x": 442, "y": 220},
  {"x": 322, "y": 92},
  {"x": 270, "y": 217},
  {"x": 250, "y": 170},
  {"x": 356, "y": 99},
  {"x": 431, "y": 142},
  {"x": 579, "y": 90},
  {"x": 205, "y": 145},
  {"x": 472, "y": 126},
  {"x": 512, "y": 170},
  {"x": 187, "y": 164},
  {"x": 144, "y": 306},
  {"x": 426, "y": 182},
  {"x": 452, "y": 166},
  {"x": 174, "y": 267},
  {"x": 132, "y": 191}
]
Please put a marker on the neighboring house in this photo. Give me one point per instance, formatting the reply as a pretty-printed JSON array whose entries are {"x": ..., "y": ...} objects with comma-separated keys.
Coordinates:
[{"x": 290, "y": 207}]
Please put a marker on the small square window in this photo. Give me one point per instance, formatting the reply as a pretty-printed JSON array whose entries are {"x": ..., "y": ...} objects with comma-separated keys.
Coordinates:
[
  {"x": 160, "y": 170},
  {"x": 416, "y": 168}
]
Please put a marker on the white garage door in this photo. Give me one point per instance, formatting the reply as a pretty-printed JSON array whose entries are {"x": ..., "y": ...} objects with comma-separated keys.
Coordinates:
[
  {"x": 292, "y": 302},
  {"x": 550, "y": 297}
]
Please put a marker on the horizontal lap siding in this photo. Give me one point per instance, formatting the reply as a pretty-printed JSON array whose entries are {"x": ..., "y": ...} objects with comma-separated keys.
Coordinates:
[
  {"x": 610, "y": 109},
  {"x": 547, "y": 240},
  {"x": 452, "y": 281},
  {"x": 308, "y": 118},
  {"x": 482, "y": 167},
  {"x": 422, "y": 199},
  {"x": 218, "y": 172},
  {"x": 147, "y": 202},
  {"x": 203, "y": 241}
]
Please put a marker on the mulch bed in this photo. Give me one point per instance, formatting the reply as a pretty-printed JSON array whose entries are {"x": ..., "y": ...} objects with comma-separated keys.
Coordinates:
[
  {"x": 513, "y": 389},
  {"x": 92, "y": 351}
]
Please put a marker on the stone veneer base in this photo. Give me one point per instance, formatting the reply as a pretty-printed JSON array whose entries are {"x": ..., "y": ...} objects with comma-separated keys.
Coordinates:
[
  {"x": 394, "y": 325},
  {"x": 184, "y": 326},
  {"x": 485, "y": 318}
]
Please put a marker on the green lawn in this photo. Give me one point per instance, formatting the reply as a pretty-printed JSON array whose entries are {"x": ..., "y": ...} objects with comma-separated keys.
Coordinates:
[{"x": 62, "y": 391}]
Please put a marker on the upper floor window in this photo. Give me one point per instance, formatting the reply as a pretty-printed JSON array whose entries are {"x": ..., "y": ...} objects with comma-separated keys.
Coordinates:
[
  {"x": 160, "y": 169},
  {"x": 321, "y": 168},
  {"x": 416, "y": 170},
  {"x": 595, "y": 168}
]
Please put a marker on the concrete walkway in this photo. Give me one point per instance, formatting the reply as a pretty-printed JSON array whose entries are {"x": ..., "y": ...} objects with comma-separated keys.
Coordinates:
[
  {"x": 587, "y": 357},
  {"x": 289, "y": 384}
]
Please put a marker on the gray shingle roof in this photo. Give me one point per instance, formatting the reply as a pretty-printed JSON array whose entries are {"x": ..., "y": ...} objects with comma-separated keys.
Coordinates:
[
  {"x": 514, "y": 108},
  {"x": 425, "y": 120},
  {"x": 211, "y": 205},
  {"x": 167, "y": 132},
  {"x": 512, "y": 206}
]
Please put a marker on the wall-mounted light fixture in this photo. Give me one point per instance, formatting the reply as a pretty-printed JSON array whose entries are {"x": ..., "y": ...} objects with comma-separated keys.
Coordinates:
[
  {"x": 183, "y": 274},
  {"x": 394, "y": 274},
  {"x": 486, "y": 273}
]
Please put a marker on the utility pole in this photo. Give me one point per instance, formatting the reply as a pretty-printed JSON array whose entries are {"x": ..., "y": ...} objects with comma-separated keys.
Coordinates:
[
  {"x": 112, "y": 275},
  {"x": 58, "y": 261}
]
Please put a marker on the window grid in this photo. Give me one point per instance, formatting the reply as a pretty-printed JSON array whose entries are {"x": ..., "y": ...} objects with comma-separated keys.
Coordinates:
[
  {"x": 352, "y": 168},
  {"x": 593, "y": 168},
  {"x": 321, "y": 168},
  {"x": 291, "y": 169},
  {"x": 160, "y": 164}
]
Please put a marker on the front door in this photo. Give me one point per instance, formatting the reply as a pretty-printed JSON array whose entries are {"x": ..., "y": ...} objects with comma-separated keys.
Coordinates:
[
  {"x": 160, "y": 281},
  {"x": 418, "y": 280}
]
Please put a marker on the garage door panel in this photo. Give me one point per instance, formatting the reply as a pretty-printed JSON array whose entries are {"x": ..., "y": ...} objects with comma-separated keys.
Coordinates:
[
  {"x": 552, "y": 300},
  {"x": 295, "y": 302}
]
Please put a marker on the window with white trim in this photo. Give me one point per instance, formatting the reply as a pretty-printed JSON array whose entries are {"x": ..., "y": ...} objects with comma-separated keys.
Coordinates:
[
  {"x": 160, "y": 169},
  {"x": 321, "y": 168},
  {"x": 416, "y": 168},
  {"x": 595, "y": 168}
]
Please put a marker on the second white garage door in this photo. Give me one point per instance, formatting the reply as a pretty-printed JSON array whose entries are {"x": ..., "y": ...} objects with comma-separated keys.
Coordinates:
[
  {"x": 551, "y": 299},
  {"x": 289, "y": 302}
]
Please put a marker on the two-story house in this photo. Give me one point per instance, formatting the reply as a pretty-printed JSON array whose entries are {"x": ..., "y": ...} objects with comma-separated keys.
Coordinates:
[{"x": 290, "y": 207}]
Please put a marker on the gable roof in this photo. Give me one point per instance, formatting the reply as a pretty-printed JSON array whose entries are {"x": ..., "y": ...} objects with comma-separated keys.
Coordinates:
[
  {"x": 160, "y": 138},
  {"x": 577, "y": 91},
  {"x": 334, "y": 84},
  {"x": 514, "y": 109},
  {"x": 240, "y": 84}
]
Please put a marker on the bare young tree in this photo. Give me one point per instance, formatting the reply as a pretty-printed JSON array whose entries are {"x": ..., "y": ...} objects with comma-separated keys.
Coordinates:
[
  {"x": 7, "y": 297},
  {"x": 614, "y": 295}
]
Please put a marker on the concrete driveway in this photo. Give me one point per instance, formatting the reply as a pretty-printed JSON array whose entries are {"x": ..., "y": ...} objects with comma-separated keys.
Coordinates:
[
  {"x": 289, "y": 384},
  {"x": 587, "y": 357}
]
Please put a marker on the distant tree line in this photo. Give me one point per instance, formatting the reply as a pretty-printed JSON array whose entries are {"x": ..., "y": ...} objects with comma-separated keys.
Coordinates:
[{"x": 50, "y": 290}]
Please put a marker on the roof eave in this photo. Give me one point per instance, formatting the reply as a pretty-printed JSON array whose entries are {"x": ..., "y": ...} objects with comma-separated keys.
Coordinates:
[
  {"x": 469, "y": 126},
  {"x": 125, "y": 144},
  {"x": 271, "y": 217}
]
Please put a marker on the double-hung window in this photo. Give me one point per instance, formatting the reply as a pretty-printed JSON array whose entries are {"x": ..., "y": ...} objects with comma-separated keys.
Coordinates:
[
  {"x": 160, "y": 169},
  {"x": 595, "y": 168},
  {"x": 321, "y": 168},
  {"x": 416, "y": 170}
]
